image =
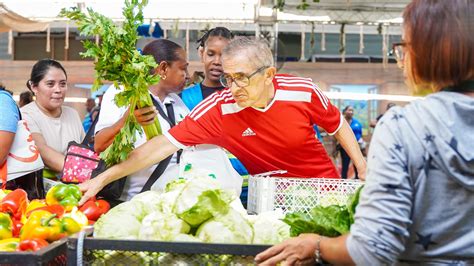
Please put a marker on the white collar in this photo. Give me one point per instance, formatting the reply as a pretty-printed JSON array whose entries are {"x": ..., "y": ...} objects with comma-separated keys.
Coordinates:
[{"x": 168, "y": 99}]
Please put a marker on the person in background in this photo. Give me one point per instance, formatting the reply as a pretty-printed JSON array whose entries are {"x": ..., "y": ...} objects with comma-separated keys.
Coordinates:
[
  {"x": 356, "y": 127},
  {"x": 210, "y": 52},
  {"x": 173, "y": 70},
  {"x": 30, "y": 182},
  {"x": 417, "y": 204},
  {"x": 52, "y": 124},
  {"x": 26, "y": 97},
  {"x": 8, "y": 123},
  {"x": 263, "y": 118},
  {"x": 90, "y": 106},
  {"x": 374, "y": 123}
]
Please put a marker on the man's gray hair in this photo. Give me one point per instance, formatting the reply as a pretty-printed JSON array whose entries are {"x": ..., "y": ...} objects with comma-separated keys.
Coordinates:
[{"x": 257, "y": 51}]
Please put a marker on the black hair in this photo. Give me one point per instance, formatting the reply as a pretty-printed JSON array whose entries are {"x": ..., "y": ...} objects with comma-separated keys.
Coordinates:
[
  {"x": 162, "y": 50},
  {"x": 26, "y": 97},
  {"x": 345, "y": 108},
  {"x": 390, "y": 105},
  {"x": 215, "y": 32},
  {"x": 40, "y": 69}
]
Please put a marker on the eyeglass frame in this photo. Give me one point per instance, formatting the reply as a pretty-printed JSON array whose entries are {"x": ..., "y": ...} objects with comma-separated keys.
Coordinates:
[
  {"x": 222, "y": 77},
  {"x": 397, "y": 51}
]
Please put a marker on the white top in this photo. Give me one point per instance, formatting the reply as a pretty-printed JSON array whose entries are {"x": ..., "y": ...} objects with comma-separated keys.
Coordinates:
[
  {"x": 110, "y": 114},
  {"x": 57, "y": 132}
]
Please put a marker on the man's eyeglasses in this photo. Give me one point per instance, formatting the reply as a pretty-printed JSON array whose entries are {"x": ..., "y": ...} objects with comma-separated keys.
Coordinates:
[
  {"x": 398, "y": 51},
  {"x": 240, "y": 79}
]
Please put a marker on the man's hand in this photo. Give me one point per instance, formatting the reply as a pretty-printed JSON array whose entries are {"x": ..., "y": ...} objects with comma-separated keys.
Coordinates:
[
  {"x": 146, "y": 115},
  {"x": 294, "y": 251},
  {"x": 361, "y": 172},
  {"x": 90, "y": 188}
]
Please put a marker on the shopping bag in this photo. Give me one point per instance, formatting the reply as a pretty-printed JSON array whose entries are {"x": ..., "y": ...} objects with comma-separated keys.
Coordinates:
[
  {"x": 209, "y": 159},
  {"x": 79, "y": 163},
  {"x": 24, "y": 156}
]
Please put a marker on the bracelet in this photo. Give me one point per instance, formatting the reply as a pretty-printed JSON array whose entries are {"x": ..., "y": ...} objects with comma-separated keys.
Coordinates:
[{"x": 317, "y": 253}]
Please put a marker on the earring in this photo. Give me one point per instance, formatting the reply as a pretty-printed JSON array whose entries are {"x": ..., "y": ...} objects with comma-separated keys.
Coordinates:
[{"x": 163, "y": 77}]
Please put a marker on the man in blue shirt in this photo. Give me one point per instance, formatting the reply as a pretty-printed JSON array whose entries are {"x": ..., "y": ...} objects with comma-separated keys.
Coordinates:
[{"x": 356, "y": 127}]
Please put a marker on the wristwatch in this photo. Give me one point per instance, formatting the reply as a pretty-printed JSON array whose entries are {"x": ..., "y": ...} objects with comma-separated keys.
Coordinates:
[{"x": 317, "y": 253}]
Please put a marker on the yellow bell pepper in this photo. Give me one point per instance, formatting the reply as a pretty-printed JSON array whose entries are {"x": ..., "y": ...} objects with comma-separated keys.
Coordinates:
[
  {"x": 77, "y": 216},
  {"x": 9, "y": 244}
]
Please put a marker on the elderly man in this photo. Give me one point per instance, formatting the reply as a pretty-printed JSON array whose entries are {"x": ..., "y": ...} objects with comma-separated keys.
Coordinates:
[{"x": 263, "y": 118}]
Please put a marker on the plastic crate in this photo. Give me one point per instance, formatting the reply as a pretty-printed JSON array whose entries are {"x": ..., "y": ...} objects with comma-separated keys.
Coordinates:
[
  {"x": 54, "y": 254},
  {"x": 48, "y": 184},
  {"x": 268, "y": 193},
  {"x": 92, "y": 251}
]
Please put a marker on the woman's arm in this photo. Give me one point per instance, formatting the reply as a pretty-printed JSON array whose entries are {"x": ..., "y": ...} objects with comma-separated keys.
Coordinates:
[
  {"x": 346, "y": 138},
  {"x": 51, "y": 158},
  {"x": 105, "y": 137},
  {"x": 6, "y": 141}
]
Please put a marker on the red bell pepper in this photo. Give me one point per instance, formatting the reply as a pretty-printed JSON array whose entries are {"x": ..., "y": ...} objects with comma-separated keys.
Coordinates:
[
  {"x": 15, "y": 203},
  {"x": 93, "y": 208},
  {"x": 16, "y": 228},
  {"x": 32, "y": 244}
]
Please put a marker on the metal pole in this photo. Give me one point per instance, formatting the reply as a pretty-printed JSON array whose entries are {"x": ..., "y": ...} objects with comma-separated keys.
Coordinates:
[{"x": 303, "y": 42}]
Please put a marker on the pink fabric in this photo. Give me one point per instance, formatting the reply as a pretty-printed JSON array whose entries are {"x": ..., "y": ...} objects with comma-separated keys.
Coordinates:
[{"x": 79, "y": 164}]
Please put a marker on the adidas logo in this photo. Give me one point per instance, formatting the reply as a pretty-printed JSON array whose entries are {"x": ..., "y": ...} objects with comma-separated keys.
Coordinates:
[{"x": 248, "y": 132}]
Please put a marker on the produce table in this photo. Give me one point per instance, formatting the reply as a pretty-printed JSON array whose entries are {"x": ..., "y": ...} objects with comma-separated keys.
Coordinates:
[
  {"x": 53, "y": 254},
  {"x": 138, "y": 252}
]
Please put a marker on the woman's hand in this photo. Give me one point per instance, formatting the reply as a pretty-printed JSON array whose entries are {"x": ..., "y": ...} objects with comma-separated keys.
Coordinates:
[
  {"x": 146, "y": 115},
  {"x": 294, "y": 251},
  {"x": 90, "y": 188}
]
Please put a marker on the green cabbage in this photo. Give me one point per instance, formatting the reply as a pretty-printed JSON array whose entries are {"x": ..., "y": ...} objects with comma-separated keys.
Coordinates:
[
  {"x": 162, "y": 226},
  {"x": 151, "y": 200},
  {"x": 268, "y": 228},
  {"x": 228, "y": 228},
  {"x": 121, "y": 222},
  {"x": 200, "y": 199}
]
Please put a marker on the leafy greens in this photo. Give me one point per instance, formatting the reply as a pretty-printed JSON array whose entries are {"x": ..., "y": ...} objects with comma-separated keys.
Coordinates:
[{"x": 118, "y": 60}]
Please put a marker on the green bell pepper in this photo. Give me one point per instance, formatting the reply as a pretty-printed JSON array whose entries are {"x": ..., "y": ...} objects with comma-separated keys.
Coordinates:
[{"x": 65, "y": 195}]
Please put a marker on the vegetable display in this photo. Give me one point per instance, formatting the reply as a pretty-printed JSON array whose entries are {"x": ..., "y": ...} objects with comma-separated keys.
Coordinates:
[
  {"x": 30, "y": 226},
  {"x": 195, "y": 209},
  {"x": 118, "y": 60},
  {"x": 331, "y": 221}
]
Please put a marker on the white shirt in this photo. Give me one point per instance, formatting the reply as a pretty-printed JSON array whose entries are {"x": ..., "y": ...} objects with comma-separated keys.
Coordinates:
[{"x": 110, "y": 114}]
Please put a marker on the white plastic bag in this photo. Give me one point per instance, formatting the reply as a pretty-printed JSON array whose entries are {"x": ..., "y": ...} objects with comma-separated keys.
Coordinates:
[{"x": 209, "y": 158}]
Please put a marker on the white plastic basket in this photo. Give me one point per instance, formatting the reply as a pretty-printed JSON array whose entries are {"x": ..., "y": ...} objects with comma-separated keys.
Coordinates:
[{"x": 268, "y": 193}]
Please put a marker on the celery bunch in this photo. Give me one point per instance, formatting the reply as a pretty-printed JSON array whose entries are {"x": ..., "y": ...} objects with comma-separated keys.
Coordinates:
[{"x": 118, "y": 60}]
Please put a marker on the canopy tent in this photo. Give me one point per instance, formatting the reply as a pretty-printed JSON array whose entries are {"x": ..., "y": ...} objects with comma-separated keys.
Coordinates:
[
  {"x": 11, "y": 21},
  {"x": 381, "y": 17},
  {"x": 239, "y": 11}
]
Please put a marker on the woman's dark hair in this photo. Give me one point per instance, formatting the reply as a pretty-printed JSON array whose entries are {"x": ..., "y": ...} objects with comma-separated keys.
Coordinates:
[
  {"x": 162, "y": 50},
  {"x": 215, "y": 32},
  {"x": 440, "y": 41},
  {"x": 26, "y": 97},
  {"x": 345, "y": 108},
  {"x": 40, "y": 69}
]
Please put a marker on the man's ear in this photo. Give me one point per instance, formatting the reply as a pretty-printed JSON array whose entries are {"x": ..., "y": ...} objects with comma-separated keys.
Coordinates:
[{"x": 270, "y": 74}]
